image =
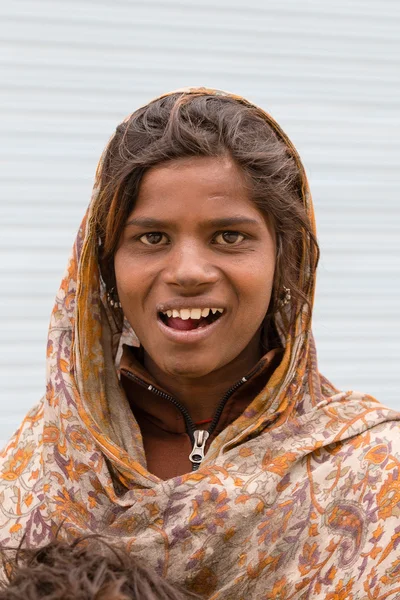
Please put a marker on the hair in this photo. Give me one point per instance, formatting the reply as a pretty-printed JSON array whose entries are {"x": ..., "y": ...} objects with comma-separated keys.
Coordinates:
[
  {"x": 186, "y": 125},
  {"x": 87, "y": 569}
]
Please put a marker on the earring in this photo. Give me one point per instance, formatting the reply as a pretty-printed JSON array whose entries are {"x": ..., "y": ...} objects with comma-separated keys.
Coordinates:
[
  {"x": 286, "y": 297},
  {"x": 112, "y": 299}
]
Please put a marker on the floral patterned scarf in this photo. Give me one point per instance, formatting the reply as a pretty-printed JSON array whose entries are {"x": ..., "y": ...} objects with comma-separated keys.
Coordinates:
[{"x": 298, "y": 498}]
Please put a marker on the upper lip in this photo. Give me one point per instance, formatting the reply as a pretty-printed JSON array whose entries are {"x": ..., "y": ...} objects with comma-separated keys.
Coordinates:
[{"x": 178, "y": 303}]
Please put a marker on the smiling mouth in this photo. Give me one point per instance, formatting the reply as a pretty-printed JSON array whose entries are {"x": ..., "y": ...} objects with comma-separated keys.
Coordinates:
[{"x": 188, "y": 323}]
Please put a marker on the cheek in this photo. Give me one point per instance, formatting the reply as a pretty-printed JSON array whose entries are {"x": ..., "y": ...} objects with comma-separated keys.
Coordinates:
[
  {"x": 127, "y": 275},
  {"x": 256, "y": 281}
]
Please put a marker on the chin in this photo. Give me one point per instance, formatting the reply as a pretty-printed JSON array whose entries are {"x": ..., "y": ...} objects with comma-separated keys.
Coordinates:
[{"x": 187, "y": 368}]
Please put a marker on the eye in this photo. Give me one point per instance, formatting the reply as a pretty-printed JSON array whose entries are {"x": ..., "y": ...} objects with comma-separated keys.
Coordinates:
[
  {"x": 229, "y": 238},
  {"x": 154, "y": 238}
]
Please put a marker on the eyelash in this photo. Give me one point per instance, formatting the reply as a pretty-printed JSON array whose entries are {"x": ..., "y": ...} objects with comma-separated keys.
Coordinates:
[
  {"x": 228, "y": 231},
  {"x": 231, "y": 232}
]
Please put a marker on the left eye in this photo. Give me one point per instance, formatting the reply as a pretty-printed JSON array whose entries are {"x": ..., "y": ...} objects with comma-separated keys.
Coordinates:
[
  {"x": 155, "y": 238},
  {"x": 229, "y": 238}
]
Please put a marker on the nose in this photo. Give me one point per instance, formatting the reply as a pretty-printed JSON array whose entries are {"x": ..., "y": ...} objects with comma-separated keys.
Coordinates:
[{"x": 189, "y": 267}]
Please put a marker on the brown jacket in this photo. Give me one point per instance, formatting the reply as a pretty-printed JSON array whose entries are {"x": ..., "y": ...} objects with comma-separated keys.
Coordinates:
[{"x": 167, "y": 431}]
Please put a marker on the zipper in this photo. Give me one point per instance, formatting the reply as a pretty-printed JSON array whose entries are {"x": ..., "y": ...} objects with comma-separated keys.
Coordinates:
[
  {"x": 190, "y": 427},
  {"x": 199, "y": 447},
  {"x": 198, "y": 437}
]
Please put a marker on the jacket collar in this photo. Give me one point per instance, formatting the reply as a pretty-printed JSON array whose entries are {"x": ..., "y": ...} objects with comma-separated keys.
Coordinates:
[{"x": 147, "y": 404}]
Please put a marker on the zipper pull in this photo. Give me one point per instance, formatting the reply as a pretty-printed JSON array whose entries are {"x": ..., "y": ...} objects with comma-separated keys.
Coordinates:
[{"x": 197, "y": 454}]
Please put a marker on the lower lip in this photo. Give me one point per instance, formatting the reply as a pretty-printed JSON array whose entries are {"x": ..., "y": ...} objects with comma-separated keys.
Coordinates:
[{"x": 191, "y": 336}]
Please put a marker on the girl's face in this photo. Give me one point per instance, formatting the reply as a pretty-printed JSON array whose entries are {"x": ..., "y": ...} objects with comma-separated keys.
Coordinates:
[{"x": 194, "y": 242}]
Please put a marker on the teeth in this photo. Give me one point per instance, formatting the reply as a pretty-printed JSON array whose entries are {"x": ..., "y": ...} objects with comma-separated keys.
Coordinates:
[{"x": 192, "y": 313}]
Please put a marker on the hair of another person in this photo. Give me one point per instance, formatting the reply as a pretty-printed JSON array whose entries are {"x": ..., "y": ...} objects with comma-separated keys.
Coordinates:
[
  {"x": 189, "y": 125},
  {"x": 87, "y": 569}
]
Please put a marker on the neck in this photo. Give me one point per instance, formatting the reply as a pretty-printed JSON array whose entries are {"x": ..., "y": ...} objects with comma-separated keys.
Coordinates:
[{"x": 201, "y": 395}]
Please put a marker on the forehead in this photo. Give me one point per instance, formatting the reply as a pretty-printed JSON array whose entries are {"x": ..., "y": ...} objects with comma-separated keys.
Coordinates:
[{"x": 195, "y": 185}]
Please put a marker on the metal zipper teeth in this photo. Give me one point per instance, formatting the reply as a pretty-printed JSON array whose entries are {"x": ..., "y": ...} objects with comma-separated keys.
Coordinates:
[
  {"x": 228, "y": 394},
  {"x": 190, "y": 427}
]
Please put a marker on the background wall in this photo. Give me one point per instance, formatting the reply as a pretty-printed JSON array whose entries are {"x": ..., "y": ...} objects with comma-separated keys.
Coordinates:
[{"x": 327, "y": 71}]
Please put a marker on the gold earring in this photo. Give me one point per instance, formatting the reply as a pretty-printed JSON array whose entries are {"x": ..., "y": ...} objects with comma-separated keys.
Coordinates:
[
  {"x": 286, "y": 297},
  {"x": 112, "y": 298}
]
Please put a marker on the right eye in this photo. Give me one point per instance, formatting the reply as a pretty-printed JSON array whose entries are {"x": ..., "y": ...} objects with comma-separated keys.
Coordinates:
[{"x": 154, "y": 239}]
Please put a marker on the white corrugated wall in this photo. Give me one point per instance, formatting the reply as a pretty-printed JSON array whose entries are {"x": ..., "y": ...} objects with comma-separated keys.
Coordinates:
[{"x": 327, "y": 71}]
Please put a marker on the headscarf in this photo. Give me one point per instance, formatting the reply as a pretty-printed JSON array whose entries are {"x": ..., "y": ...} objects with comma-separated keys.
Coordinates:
[{"x": 298, "y": 498}]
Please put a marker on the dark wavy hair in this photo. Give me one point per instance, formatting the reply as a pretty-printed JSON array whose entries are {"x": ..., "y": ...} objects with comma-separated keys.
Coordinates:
[
  {"x": 87, "y": 569},
  {"x": 184, "y": 125}
]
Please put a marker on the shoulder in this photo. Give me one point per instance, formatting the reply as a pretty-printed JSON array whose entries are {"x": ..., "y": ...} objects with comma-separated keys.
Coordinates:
[{"x": 345, "y": 415}]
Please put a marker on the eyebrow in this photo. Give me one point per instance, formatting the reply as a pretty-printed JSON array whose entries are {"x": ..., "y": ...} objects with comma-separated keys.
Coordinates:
[{"x": 151, "y": 223}]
